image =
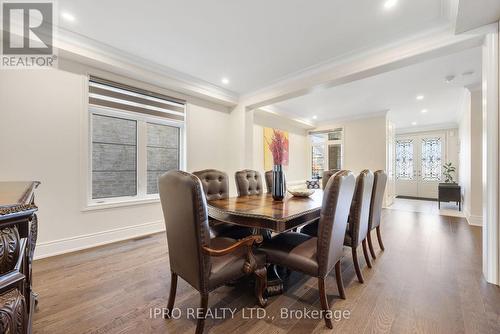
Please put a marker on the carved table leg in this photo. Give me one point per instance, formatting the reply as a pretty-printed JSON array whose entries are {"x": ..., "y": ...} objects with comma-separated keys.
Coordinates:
[{"x": 274, "y": 281}]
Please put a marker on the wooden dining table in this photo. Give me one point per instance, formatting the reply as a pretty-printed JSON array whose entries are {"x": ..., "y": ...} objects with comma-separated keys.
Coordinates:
[{"x": 267, "y": 216}]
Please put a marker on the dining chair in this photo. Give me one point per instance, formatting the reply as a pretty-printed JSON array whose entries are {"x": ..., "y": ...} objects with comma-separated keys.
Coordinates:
[
  {"x": 205, "y": 263},
  {"x": 268, "y": 176},
  {"x": 317, "y": 256},
  {"x": 248, "y": 182},
  {"x": 312, "y": 228},
  {"x": 357, "y": 228},
  {"x": 327, "y": 174},
  {"x": 379, "y": 183},
  {"x": 216, "y": 186}
]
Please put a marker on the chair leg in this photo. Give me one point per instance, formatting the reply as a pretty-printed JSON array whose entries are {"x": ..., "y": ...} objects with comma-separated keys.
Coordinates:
[
  {"x": 324, "y": 303},
  {"x": 356, "y": 265},
  {"x": 365, "y": 253},
  {"x": 338, "y": 278},
  {"x": 261, "y": 285},
  {"x": 171, "y": 297},
  {"x": 370, "y": 245},
  {"x": 200, "y": 325},
  {"x": 379, "y": 237}
]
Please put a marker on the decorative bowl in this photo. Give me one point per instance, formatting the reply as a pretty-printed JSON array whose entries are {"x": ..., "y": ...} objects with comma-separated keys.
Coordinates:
[{"x": 301, "y": 192}]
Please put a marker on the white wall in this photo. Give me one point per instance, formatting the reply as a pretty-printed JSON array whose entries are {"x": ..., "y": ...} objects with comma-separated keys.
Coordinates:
[
  {"x": 470, "y": 134},
  {"x": 299, "y": 168},
  {"x": 41, "y": 120},
  {"x": 365, "y": 144}
]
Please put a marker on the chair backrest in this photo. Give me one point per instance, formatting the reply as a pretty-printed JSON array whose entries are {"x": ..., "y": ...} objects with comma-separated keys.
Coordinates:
[
  {"x": 327, "y": 174},
  {"x": 248, "y": 182},
  {"x": 215, "y": 183},
  {"x": 185, "y": 211},
  {"x": 379, "y": 183},
  {"x": 360, "y": 207},
  {"x": 269, "y": 180},
  {"x": 333, "y": 221}
]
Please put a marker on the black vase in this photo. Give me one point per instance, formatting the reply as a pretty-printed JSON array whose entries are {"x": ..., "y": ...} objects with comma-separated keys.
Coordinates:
[{"x": 279, "y": 184}]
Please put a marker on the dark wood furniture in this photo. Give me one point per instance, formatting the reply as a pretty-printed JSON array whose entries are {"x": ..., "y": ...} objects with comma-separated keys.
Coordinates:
[
  {"x": 450, "y": 192},
  {"x": 375, "y": 217},
  {"x": 18, "y": 232},
  {"x": 266, "y": 216}
]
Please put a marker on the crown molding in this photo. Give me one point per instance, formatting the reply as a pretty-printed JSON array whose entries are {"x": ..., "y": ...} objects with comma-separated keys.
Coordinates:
[
  {"x": 75, "y": 47},
  {"x": 351, "y": 118},
  {"x": 363, "y": 64},
  {"x": 425, "y": 128}
]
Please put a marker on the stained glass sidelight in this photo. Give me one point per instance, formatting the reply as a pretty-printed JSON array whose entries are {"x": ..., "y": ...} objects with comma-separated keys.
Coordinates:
[
  {"x": 431, "y": 159},
  {"x": 404, "y": 159}
]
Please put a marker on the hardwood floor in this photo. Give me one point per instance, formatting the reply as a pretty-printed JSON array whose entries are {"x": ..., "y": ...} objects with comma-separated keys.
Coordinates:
[{"x": 428, "y": 280}]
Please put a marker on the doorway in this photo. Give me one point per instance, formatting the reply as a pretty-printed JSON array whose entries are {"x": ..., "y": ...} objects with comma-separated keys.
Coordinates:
[{"x": 419, "y": 160}]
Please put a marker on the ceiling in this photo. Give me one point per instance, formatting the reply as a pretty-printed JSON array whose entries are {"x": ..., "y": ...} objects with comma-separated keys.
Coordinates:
[
  {"x": 252, "y": 43},
  {"x": 395, "y": 91},
  {"x": 475, "y": 13}
]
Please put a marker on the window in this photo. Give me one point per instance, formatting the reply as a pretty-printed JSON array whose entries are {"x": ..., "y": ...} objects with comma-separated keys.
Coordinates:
[
  {"x": 135, "y": 136},
  {"x": 404, "y": 159},
  {"x": 431, "y": 159},
  {"x": 327, "y": 151}
]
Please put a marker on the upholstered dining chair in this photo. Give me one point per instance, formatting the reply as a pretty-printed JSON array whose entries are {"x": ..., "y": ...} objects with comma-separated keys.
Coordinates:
[
  {"x": 357, "y": 229},
  {"x": 327, "y": 174},
  {"x": 248, "y": 182},
  {"x": 203, "y": 262},
  {"x": 269, "y": 180},
  {"x": 317, "y": 256},
  {"x": 379, "y": 183},
  {"x": 216, "y": 186}
]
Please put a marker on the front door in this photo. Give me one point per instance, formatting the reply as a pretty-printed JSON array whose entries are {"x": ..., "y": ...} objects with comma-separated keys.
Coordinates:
[{"x": 419, "y": 160}]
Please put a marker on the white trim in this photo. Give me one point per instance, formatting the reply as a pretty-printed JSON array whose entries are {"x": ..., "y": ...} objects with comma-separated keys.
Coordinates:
[
  {"x": 72, "y": 244},
  {"x": 490, "y": 158},
  {"x": 76, "y": 47},
  {"x": 472, "y": 219},
  {"x": 427, "y": 128}
]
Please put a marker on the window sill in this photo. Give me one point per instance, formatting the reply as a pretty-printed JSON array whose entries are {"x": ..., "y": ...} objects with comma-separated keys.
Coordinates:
[{"x": 118, "y": 204}]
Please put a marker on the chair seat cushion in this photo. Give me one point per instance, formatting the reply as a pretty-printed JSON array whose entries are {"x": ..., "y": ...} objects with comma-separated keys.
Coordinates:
[
  {"x": 221, "y": 229},
  {"x": 229, "y": 267},
  {"x": 296, "y": 251},
  {"x": 311, "y": 229}
]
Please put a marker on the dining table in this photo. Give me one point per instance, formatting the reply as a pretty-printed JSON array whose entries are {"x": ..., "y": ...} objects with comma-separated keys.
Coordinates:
[{"x": 268, "y": 217}]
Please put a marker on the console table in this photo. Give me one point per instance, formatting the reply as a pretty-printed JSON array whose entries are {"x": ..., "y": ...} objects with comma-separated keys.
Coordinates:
[
  {"x": 18, "y": 232},
  {"x": 450, "y": 192}
]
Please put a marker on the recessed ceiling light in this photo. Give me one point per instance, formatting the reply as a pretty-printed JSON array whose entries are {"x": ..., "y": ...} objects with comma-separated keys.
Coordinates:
[
  {"x": 413, "y": 123},
  {"x": 424, "y": 111},
  {"x": 315, "y": 117},
  {"x": 68, "y": 17},
  {"x": 420, "y": 97},
  {"x": 225, "y": 81},
  {"x": 390, "y": 3}
]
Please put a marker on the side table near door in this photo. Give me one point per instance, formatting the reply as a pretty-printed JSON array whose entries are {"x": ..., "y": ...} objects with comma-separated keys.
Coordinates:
[{"x": 450, "y": 192}]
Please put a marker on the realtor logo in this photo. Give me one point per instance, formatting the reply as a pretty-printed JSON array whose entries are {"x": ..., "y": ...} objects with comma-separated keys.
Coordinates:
[{"x": 27, "y": 35}]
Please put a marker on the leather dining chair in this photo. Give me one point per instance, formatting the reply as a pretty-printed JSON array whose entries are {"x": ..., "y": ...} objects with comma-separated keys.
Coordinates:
[
  {"x": 317, "y": 256},
  {"x": 312, "y": 228},
  {"x": 216, "y": 186},
  {"x": 269, "y": 180},
  {"x": 248, "y": 182},
  {"x": 379, "y": 183},
  {"x": 357, "y": 229},
  {"x": 203, "y": 262},
  {"x": 327, "y": 174}
]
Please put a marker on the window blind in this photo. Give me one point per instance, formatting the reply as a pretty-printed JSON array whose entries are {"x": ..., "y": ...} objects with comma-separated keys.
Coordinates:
[{"x": 114, "y": 95}]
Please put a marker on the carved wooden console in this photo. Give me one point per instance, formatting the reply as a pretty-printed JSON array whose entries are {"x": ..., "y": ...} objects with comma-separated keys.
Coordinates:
[{"x": 18, "y": 231}]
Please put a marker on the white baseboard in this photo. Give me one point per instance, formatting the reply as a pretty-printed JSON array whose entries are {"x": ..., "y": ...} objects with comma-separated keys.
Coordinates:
[
  {"x": 472, "y": 219},
  {"x": 67, "y": 245}
]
